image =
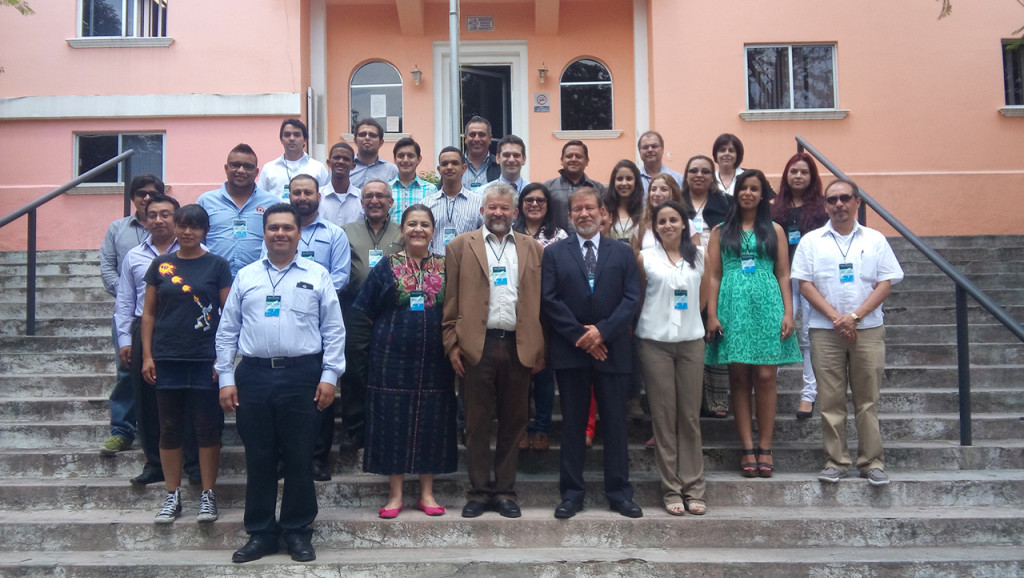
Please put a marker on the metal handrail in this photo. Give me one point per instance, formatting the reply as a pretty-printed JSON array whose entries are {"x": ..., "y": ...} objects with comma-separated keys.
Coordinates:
[
  {"x": 30, "y": 252},
  {"x": 964, "y": 287}
]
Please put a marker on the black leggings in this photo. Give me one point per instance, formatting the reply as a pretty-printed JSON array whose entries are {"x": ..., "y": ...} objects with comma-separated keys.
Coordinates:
[{"x": 203, "y": 405}]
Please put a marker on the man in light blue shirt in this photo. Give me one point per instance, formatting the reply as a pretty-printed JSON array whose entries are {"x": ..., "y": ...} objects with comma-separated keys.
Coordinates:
[
  {"x": 456, "y": 209},
  {"x": 282, "y": 316},
  {"x": 369, "y": 137},
  {"x": 652, "y": 150},
  {"x": 511, "y": 158},
  {"x": 235, "y": 210},
  {"x": 481, "y": 166},
  {"x": 408, "y": 188}
]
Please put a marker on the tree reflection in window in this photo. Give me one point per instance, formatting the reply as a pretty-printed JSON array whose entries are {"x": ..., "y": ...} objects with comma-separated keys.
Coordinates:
[
  {"x": 799, "y": 76},
  {"x": 586, "y": 96}
]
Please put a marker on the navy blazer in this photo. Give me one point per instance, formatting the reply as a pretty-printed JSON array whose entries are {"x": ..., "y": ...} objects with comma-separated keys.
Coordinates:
[{"x": 567, "y": 301}]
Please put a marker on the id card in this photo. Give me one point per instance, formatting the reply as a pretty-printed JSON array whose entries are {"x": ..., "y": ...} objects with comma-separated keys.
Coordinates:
[
  {"x": 240, "y": 229},
  {"x": 273, "y": 306},
  {"x": 679, "y": 301},
  {"x": 499, "y": 275},
  {"x": 747, "y": 263},
  {"x": 590, "y": 280},
  {"x": 375, "y": 256},
  {"x": 448, "y": 235},
  {"x": 698, "y": 224},
  {"x": 284, "y": 197},
  {"x": 846, "y": 272},
  {"x": 307, "y": 254},
  {"x": 794, "y": 235},
  {"x": 416, "y": 302}
]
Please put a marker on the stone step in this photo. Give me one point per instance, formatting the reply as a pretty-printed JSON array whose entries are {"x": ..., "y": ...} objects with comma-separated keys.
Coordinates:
[
  {"x": 59, "y": 256},
  {"x": 944, "y": 241},
  {"x": 790, "y": 527},
  {"x": 56, "y": 294},
  {"x": 57, "y": 345},
  {"x": 942, "y": 295},
  {"x": 970, "y": 268},
  {"x": 988, "y": 333},
  {"x": 943, "y": 314},
  {"x": 64, "y": 309},
  {"x": 987, "y": 281},
  {"x": 52, "y": 281},
  {"x": 84, "y": 268},
  {"x": 60, "y": 327}
]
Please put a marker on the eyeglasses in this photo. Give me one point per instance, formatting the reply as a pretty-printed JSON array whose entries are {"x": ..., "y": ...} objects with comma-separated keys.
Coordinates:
[
  {"x": 143, "y": 194},
  {"x": 367, "y": 133},
  {"x": 535, "y": 201},
  {"x": 845, "y": 198},
  {"x": 699, "y": 171},
  {"x": 236, "y": 165},
  {"x": 376, "y": 196},
  {"x": 581, "y": 210}
]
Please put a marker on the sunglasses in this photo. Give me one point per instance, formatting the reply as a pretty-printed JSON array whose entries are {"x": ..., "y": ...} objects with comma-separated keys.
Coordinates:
[
  {"x": 535, "y": 201},
  {"x": 845, "y": 198}
]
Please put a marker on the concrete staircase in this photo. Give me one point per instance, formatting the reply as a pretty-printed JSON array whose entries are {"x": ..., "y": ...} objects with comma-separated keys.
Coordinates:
[{"x": 949, "y": 511}]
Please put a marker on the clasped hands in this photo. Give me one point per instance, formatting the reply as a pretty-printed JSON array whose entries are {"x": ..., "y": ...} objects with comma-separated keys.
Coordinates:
[{"x": 593, "y": 343}]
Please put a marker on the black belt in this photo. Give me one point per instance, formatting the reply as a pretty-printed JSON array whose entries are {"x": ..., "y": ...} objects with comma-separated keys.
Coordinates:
[
  {"x": 501, "y": 334},
  {"x": 282, "y": 362}
]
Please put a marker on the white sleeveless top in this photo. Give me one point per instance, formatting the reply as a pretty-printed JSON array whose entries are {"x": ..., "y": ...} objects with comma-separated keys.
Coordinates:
[{"x": 660, "y": 320}]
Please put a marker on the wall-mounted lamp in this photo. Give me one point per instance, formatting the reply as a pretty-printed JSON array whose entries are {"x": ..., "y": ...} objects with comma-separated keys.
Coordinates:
[
  {"x": 416, "y": 74},
  {"x": 542, "y": 72}
]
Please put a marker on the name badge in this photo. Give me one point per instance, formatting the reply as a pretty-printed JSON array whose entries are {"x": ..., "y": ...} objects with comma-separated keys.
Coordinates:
[
  {"x": 273, "y": 306},
  {"x": 846, "y": 272},
  {"x": 284, "y": 196},
  {"x": 590, "y": 280},
  {"x": 474, "y": 186},
  {"x": 698, "y": 224},
  {"x": 416, "y": 301},
  {"x": 679, "y": 301},
  {"x": 747, "y": 263},
  {"x": 499, "y": 275},
  {"x": 240, "y": 229},
  {"x": 448, "y": 235},
  {"x": 375, "y": 256},
  {"x": 794, "y": 235},
  {"x": 307, "y": 254}
]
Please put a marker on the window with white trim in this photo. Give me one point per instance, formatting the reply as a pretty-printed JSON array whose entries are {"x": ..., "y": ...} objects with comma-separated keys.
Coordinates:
[
  {"x": 1013, "y": 72},
  {"x": 585, "y": 91},
  {"x": 94, "y": 149},
  {"x": 376, "y": 92},
  {"x": 123, "y": 18},
  {"x": 791, "y": 77}
]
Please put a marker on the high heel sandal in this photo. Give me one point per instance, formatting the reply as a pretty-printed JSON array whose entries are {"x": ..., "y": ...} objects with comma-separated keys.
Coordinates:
[
  {"x": 748, "y": 470},
  {"x": 764, "y": 469}
]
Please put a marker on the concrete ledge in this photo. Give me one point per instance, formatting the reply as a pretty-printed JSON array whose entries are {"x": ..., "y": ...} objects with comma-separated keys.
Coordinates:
[{"x": 150, "y": 106}]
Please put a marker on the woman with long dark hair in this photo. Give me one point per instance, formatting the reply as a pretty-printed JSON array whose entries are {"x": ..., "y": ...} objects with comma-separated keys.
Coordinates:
[
  {"x": 662, "y": 188},
  {"x": 750, "y": 315},
  {"x": 624, "y": 201},
  {"x": 799, "y": 209}
]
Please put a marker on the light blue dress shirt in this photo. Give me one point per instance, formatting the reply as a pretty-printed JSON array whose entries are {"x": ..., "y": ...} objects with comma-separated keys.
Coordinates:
[
  {"x": 379, "y": 170},
  {"x": 239, "y": 247},
  {"x": 330, "y": 248}
]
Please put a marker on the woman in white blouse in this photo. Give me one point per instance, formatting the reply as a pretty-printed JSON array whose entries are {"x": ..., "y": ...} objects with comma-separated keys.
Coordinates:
[{"x": 672, "y": 355}]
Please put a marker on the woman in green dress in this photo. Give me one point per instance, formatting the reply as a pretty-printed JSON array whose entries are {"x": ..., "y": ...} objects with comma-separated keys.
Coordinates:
[{"x": 750, "y": 314}]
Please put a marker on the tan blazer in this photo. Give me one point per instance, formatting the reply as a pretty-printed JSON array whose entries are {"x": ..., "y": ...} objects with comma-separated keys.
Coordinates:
[{"x": 467, "y": 291}]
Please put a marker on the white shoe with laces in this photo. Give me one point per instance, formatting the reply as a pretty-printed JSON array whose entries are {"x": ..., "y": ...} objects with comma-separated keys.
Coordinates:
[{"x": 207, "y": 507}]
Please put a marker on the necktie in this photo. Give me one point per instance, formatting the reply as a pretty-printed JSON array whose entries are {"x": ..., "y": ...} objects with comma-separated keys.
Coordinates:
[{"x": 590, "y": 258}]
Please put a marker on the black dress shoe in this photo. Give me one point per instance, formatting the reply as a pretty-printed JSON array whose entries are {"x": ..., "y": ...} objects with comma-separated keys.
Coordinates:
[
  {"x": 300, "y": 547},
  {"x": 567, "y": 509},
  {"x": 509, "y": 509},
  {"x": 805, "y": 414},
  {"x": 628, "y": 509},
  {"x": 258, "y": 546},
  {"x": 320, "y": 472},
  {"x": 147, "y": 476},
  {"x": 473, "y": 509}
]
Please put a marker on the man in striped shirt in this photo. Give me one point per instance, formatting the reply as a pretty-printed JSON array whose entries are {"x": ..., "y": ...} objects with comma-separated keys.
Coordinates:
[{"x": 456, "y": 209}]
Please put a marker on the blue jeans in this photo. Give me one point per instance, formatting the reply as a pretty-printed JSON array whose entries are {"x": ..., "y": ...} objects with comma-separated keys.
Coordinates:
[
  {"x": 122, "y": 402},
  {"x": 543, "y": 400}
]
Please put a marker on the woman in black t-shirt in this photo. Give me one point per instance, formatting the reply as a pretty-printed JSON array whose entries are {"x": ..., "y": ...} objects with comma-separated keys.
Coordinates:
[{"x": 185, "y": 292}]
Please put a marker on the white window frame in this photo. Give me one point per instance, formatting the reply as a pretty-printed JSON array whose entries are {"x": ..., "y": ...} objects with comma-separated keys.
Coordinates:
[
  {"x": 117, "y": 187},
  {"x": 134, "y": 30},
  {"x": 792, "y": 113},
  {"x": 571, "y": 134},
  {"x": 401, "y": 86}
]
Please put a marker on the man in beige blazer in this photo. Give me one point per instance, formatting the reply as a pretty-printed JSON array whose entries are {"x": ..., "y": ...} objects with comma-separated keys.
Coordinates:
[{"x": 493, "y": 337}]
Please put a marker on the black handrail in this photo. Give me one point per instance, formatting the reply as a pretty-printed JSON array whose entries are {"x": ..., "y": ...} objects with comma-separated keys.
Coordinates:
[
  {"x": 30, "y": 253},
  {"x": 963, "y": 285}
]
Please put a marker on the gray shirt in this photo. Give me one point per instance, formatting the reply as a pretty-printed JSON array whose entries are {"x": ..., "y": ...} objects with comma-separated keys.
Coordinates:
[{"x": 123, "y": 235}]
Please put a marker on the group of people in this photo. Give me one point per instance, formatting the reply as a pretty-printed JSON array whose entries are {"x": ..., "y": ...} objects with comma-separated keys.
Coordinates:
[{"x": 428, "y": 309}]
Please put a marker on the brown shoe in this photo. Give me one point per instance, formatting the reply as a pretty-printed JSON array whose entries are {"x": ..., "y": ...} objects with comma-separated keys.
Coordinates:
[
  {"x": 524, "y": 442},
  {"x": 540, "y": 442}
]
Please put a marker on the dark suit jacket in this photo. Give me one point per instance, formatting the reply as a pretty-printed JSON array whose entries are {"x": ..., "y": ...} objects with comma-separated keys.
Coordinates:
[
  {"x": 567, "y": 301},
  {"x": 466, "y": 291}
]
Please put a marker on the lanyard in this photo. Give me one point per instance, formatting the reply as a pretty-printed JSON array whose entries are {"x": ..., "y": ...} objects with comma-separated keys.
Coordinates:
[
  {"x": 449, "y": 207},
  {"x": 312, "y": 239},
  {"x": 376, "y": 238},
  {"x": 497, "y": 255},
  {"x": 284, "y": 274},
  {"x": 848, "y": 247}
]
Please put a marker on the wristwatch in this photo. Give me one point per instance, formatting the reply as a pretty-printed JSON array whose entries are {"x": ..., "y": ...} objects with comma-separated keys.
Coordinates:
[{"x": 856, "y": 318}]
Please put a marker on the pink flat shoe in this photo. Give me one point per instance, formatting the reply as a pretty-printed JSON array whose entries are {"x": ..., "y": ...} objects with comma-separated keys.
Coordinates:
[
  {"x": 387, "y": 514},
  {"x": 431, "y": 510}
]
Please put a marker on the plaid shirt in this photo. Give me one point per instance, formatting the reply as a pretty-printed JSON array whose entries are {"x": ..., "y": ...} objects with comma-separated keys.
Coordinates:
[{"x": 417, "y": 191}]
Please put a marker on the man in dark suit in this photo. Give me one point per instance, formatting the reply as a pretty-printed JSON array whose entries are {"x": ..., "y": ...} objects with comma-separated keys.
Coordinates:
[{"x": 590, "y": 292}]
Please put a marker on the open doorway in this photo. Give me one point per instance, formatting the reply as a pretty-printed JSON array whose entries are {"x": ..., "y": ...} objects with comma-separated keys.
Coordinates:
[{"x": 487, "y": 92}]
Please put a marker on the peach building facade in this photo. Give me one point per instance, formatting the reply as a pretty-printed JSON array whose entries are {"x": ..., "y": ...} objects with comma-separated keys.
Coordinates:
[{"x": 913, "y": 108}]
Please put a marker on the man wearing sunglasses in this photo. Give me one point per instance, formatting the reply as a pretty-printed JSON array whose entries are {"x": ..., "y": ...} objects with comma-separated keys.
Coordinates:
[
  {"x": 369, "y": 137},
  {"x": 846, "y": 271}
]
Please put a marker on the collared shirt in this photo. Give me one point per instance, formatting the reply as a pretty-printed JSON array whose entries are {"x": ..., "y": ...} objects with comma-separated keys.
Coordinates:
[
  {"x": 241, "y": 245},
  {"x": 560, "y": 188},
  {"x": 731, "y": 189},
  {"x": 341, "y": 208},
  {"x": 517, "y": 184},
  {"x": 379, "y": 170},
  {"x": 405, "y": 197},
  {"x": 459, "y": 215},
  {"x": 504, "y": 285},
  {"x": 664, "y": 317},
  {"x": 309, "y": 319},
  {"x": 647, "y": 177},
  {"x": 474, "y": 177},
  {"x": 275, "y": 175},
  {"x": 131, "y": 287},
  {"x": 329, "y": 245},
  {"x": 362, "y": 240},
  {"x": 818, "y": 258},
  {"x": 122, "y": 236},
  {"x": 597, "y": 243}
]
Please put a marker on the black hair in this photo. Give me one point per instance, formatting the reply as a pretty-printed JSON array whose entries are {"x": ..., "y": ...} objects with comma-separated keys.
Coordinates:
[
  {"x": 406, "y": 142},
  {"x": 418, "y": 207},
  {"x": 548, "y": 223},
  {"x": 297, "y": 124},
  {"x": 576, "y": 143},
  {"x": 476, "y": 118},
  {"x": 686, "y": 247},
  {"x": 373, "y": 123},
  {"x": 192, "y": 216},
  {"x": 724, "y": 139},
  {"x": 162, "y": 198},
  {"x": 281, "y": 208},
  {"x": 451, "y": 149},
  {"x": 316, "y": 184},
  {"x": 635, "y": 203},
  {"x": 143, "y": 180},
  {"x": 342, "y": 145},
  {"x": 245, "y": 150},
  {"x": 764, "y": 227},
  {"x": 513, "y": 140},
  {"x": 712, "y": 186}
]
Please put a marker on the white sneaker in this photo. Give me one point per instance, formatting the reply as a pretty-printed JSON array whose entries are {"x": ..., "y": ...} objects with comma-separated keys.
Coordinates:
[
  {"x": 171, "y": 509},
  {"x": 207, "y": 507}
]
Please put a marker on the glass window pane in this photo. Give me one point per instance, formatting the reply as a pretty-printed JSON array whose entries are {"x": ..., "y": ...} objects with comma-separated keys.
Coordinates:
[
  {"x": 768, "y": 78},
  {"x": 1013, "y": 75},
  {"x": 361, "y": 103},
  {"x": 101, "y": 17},
  {"x": 813, "y": 78},
  {"x": 376, "y": 73},
  {"x": 149, "y": 154},
  {"x": 586, "y": 70},
  {"x": 94, "y": 150},
  {"x": 587, "y": 107}
]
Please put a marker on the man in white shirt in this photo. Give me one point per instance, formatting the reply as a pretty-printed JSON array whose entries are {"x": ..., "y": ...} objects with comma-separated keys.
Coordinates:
[
  {"x": 652, "y": 151},
  {"x": 511, "y": 158},
  {"x": 341, "y": 199},
  {"x": 846, "y": 271},
  {"x": 276, "y": 174}
]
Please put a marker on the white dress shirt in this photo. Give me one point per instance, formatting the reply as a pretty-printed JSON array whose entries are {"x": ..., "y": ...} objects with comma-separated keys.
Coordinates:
[
  {"x": 341, "y": 208},
  {"x": 501, "y": 307},
  {"x": 275, "y": 175}
]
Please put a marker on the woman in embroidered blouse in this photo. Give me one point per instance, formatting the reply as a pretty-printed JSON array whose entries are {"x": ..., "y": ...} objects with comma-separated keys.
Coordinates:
[
  {"x": 410, "y": 400},
  {"x": 671, "y": 355},
  {"x": 624, "y": 201}
]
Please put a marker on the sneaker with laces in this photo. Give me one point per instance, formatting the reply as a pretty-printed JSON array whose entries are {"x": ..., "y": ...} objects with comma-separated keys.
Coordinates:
[
  {"x": 831, "y": 475},
  {"x": 876, "y": 477},
  {"x": 207, "y": 507},
  {"x": 171, "y": 509},
  {"x": 113, "y": 445}
]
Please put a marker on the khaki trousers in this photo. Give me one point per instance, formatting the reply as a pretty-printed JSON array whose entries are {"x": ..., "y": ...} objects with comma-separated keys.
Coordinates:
[
  {"x": 860, "y": 366},
  {"x": 674, "y": 376}
]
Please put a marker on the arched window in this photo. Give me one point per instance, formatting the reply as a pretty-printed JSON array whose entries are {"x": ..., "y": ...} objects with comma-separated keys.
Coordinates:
[
  {"x": 586, "y": 96},
  {"x": 376, "y": 92}
]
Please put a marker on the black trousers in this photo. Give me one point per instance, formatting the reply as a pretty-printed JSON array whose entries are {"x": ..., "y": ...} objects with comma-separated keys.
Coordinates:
[{"x": 277, "y": 418}]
